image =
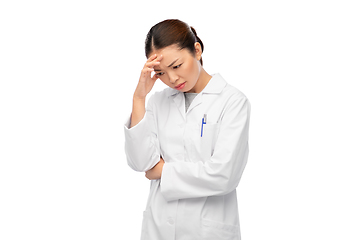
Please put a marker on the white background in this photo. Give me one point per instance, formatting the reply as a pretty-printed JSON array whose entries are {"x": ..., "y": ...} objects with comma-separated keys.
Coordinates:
[{"x": 68, "y": 70}]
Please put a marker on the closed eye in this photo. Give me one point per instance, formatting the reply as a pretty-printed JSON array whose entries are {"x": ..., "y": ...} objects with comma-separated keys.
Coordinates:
[
  {"x": 175, "y": 67},
  {"x": 159, "y": 74}
]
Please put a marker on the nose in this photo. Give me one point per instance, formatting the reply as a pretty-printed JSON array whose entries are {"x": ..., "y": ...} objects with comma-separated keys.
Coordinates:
[{"x": 173, "y": 78}]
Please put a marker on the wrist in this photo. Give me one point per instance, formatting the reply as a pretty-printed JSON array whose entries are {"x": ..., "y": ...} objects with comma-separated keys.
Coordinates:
[
  {"x": 138, "y": 111},
  {"x": 138, "y": 99}
]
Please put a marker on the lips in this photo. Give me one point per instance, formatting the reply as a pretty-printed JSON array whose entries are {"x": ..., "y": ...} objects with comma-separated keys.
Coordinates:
[{"x": 180, "y": 86}]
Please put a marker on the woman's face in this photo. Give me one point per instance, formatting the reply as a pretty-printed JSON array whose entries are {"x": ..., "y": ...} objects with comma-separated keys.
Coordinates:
[{"x": 179, "y": 69}]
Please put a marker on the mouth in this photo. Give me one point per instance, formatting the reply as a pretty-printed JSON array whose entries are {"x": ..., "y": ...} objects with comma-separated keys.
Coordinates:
[{"x": 180, "y": 86}]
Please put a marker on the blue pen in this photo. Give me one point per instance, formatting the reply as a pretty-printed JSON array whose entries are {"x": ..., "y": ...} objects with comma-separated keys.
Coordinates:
[{"x": 202, "y": 124}]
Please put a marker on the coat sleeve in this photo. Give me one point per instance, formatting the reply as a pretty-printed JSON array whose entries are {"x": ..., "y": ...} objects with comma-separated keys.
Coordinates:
[
  {"x": 141, "y": 144},
  {"x": 221, "y": 174}
]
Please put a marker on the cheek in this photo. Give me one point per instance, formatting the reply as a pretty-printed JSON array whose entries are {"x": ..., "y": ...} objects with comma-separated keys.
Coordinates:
[
  {"x": 191, "y": 69},
  {"x": 194, "y": 70},
  {"x": 164, "y": 80}
]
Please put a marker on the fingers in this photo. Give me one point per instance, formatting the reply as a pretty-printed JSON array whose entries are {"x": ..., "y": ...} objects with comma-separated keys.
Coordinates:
[
  {"x": 151, "y": 175},
  {"x": 151, "y": 64},
  {"x": 153, "y": 57},
  {"x": 155, "y": 77},
  {"x": 160, "y": 57},
  {"x": 153, "y": 61},
  {"x": 156, "y": 171},
  {"x": 146, "y": 70}
]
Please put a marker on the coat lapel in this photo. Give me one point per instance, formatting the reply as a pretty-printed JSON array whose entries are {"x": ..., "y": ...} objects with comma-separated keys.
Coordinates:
[
  {"x": 197, "y": 101},
  {"x": 179, "y": 101},
  {"x": 215, "y": 86}
]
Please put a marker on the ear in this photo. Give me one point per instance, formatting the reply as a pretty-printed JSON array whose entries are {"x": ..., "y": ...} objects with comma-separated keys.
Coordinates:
[{"x": 198, "y": 51}]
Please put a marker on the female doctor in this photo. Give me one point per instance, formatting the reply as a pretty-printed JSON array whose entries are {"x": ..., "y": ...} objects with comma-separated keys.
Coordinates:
[{"x": 191, "y": 140}]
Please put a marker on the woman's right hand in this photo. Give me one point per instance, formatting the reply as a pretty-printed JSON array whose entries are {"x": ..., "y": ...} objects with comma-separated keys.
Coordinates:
[{"x": 146, "y": 82}]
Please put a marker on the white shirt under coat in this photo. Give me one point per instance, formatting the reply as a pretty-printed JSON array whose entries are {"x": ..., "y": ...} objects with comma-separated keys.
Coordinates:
[{"x": 195, "y": 199}]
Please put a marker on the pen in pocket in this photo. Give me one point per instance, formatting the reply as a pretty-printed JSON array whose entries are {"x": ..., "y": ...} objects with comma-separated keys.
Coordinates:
[{"x": 202, "y": 124}]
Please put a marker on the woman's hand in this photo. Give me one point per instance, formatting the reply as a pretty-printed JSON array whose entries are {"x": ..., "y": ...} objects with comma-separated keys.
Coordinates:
[
  {"x": 155, "y": 172},
  {"x": 146, "y": 82}
]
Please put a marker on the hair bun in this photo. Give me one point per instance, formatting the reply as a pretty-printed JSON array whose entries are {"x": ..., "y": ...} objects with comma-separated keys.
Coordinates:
[
  {"x": 197, "y": 38},
  {"x": 193, "y": 30}
]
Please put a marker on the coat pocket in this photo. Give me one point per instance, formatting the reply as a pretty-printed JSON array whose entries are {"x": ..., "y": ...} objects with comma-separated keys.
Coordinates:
[
  {"x": 207, "y": 139},
  {"x": 212, "y": 230}
]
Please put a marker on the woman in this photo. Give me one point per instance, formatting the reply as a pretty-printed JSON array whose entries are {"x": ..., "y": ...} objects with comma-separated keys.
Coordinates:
[{"x": 191, "y": 140}]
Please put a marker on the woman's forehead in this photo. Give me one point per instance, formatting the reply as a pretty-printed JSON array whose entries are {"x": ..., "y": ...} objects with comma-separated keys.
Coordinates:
[{"x": 170, "y": 54}]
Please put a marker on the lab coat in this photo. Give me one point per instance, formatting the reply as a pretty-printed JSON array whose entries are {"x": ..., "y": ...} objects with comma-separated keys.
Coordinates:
[{"x": 195, "y": 199}]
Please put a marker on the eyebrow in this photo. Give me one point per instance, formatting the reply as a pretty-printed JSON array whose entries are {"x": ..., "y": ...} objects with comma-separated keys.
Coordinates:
[
  {"x": 158, "y": 70},
  {"x": 173, "y": 62}
]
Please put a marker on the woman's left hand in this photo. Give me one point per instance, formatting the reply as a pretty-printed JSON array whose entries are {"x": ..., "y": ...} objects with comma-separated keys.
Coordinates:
[{"x": 155, "y": 172}]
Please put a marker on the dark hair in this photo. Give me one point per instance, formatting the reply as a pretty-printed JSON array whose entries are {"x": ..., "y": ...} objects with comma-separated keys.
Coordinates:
[{"x": 169, "y": 32}]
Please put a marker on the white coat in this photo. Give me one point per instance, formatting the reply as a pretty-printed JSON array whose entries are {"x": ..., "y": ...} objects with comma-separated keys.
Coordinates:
[{"x": 195, "y": 199}]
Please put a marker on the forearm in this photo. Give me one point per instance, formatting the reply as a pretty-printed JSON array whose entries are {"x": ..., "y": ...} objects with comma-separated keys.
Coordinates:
[
  {"x": 138, "y": 111},
  {"x": 146, "y": 83},
  {"x": 155, "y": 172},
  {"x": 141, "y": 144}
]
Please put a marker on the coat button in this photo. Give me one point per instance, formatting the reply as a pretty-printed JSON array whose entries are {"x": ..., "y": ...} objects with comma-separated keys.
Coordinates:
[{"x": 171, "y": 221}]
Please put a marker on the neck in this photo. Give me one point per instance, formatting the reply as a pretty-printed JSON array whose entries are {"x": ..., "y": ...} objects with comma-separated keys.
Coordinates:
[{"x": 204, "y": 79}]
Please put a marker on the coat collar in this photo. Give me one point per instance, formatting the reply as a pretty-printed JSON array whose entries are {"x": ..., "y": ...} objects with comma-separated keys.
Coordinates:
[{"x": 215, "y": 86}]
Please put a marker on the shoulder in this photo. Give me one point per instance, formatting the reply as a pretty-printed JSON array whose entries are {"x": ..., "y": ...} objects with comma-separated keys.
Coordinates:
[
  {"x": 232, "y": 93},
  {"x": 159, "y": 97},
  {"x": 236, "y": 103}
]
